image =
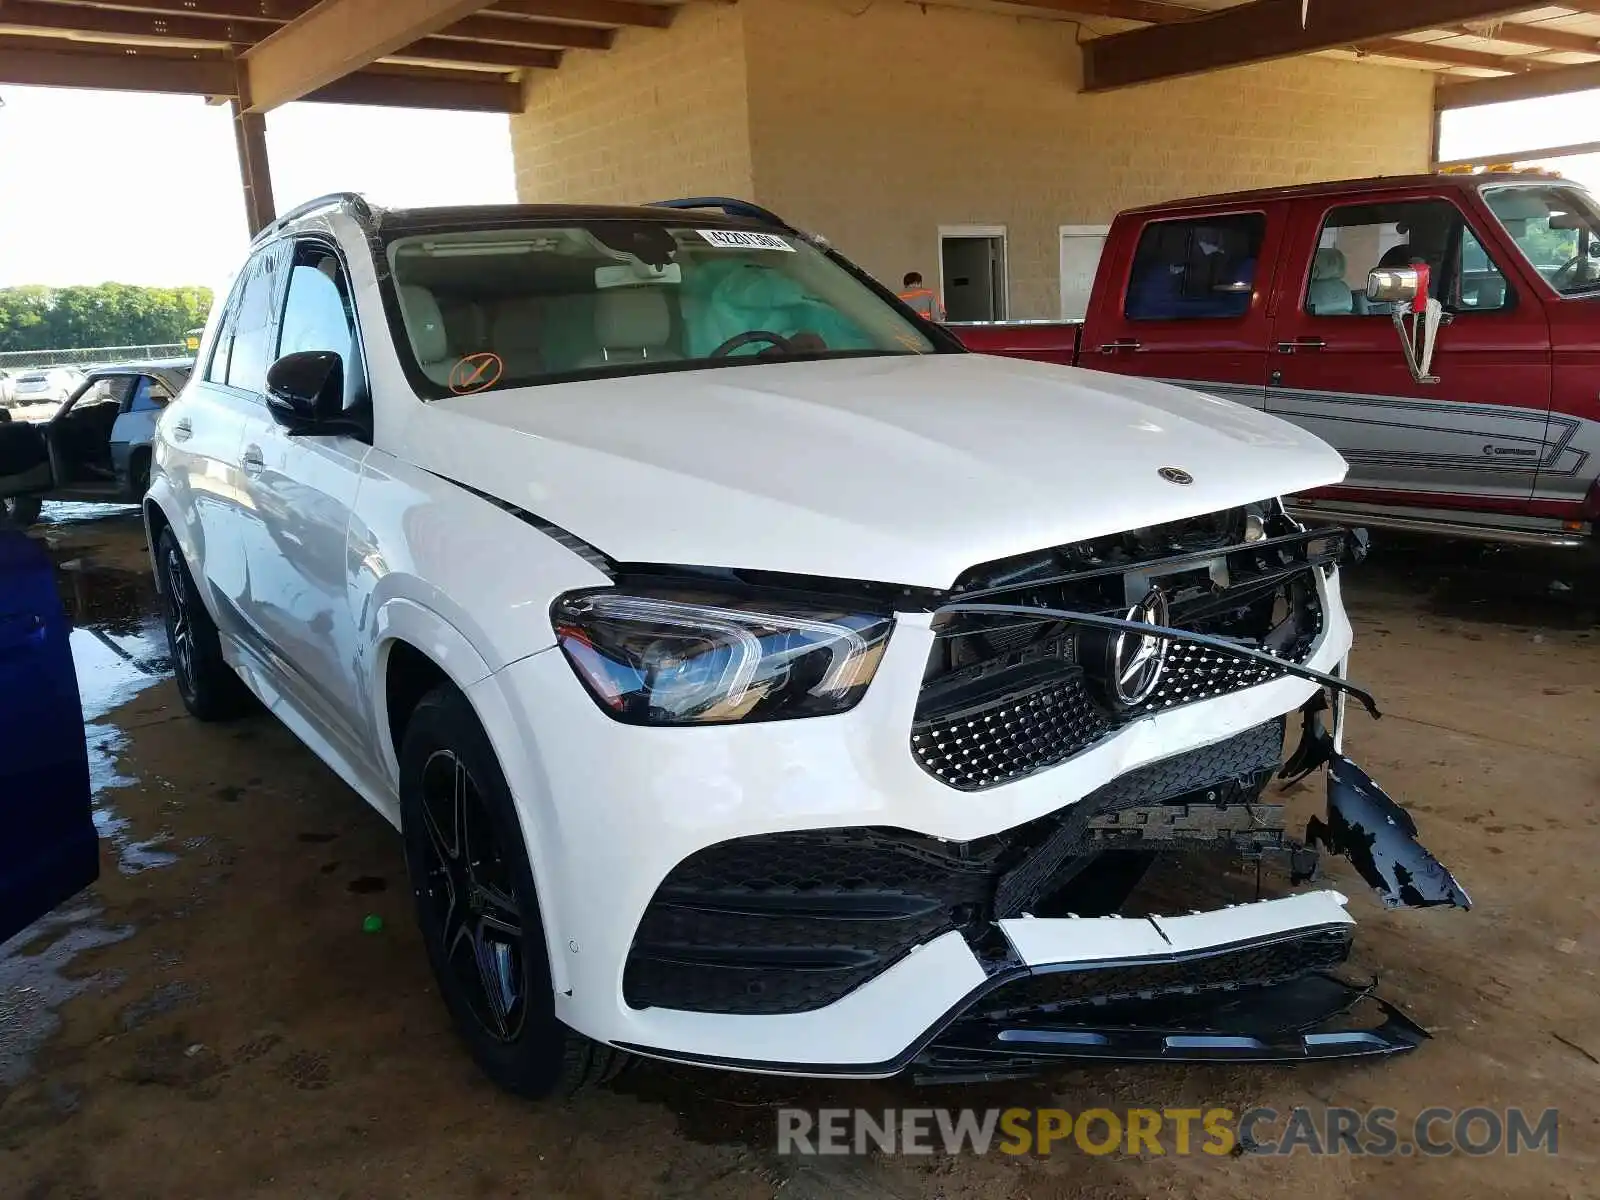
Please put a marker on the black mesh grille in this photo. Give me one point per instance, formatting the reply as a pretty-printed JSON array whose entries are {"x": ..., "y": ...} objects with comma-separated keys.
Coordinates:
[
  {"x": 1246, "y": 966},
  {"x": 1005, "y": 697},
  {"x": 1197, "y": 673},
  {"x": 1012, "y": 737},
  {"x": 792, "y": 921}
]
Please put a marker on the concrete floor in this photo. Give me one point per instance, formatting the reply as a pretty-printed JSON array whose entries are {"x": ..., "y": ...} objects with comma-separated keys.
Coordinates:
[{"x": 211, "y": 1020}]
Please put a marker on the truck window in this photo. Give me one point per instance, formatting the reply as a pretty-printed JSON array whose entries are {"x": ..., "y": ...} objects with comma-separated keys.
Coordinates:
[
  {"x": 1557, "y": 230},
  {"x": 1359, "y": 238},
  {"x": 1195, "y": 269}
]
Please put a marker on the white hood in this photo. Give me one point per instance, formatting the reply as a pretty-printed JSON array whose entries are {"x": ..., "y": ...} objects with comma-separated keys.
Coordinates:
[{"x": 905, "y": 469}]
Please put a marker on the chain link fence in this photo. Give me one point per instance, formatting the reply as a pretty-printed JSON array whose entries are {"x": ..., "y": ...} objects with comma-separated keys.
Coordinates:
[{"x": 87, "y": 356}]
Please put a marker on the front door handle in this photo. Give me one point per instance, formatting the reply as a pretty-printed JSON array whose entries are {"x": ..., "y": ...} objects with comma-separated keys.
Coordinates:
[
  {"x": 252, "y": 463},
  {"x": 1113, "y": 347},
  {"x": 1301, "y": 343},
  {"x": 182, "y": 431}
]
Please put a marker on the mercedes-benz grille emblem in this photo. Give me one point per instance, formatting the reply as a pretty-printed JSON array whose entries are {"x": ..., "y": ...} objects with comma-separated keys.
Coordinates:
[
  {"x": 1176, "y": 475},
  {"x": 1137, "y": 659}
]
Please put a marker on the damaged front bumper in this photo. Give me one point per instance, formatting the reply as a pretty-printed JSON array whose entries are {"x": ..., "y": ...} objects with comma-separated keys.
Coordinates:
[
  {"x": 1253, "y": 982},
  {"x": 1363, "y": 824}
]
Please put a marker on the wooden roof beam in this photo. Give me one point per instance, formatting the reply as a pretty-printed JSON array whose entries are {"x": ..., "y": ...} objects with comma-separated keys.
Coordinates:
[
  {"x": 1265, "y": 30},
  {"x": 335, "y": 38},
  {"x": 479, "y": 54},
  {"x": 514, "y": 31},
  {"x": 1541, "y": 36},
  {"x": 590, "y": 12},
  {"x": 73, "y": 18},
  {"x": 51, "y": 62},
  {"x": 1447, "y": 56},
  {"x": 1554, "y": 82}
]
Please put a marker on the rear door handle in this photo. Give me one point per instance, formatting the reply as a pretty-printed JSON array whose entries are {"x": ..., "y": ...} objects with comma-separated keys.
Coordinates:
[
  {"x": 1113, "y": 347},
  {"x": 1301, "y": 343},
  {"x": 252, "y": 463},
  {"x": 182, "y": 431}
]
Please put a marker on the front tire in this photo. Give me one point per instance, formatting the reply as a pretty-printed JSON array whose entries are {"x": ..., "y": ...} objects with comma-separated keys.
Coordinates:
[
  {"x": 210, "y": 689},
  {"x": 479, "y": 911}
]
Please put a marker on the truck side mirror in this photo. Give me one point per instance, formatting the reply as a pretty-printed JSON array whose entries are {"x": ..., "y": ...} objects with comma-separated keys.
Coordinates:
[
  {"x": 1396, "y": 285},
  {"x": 1416, "y": 316}
]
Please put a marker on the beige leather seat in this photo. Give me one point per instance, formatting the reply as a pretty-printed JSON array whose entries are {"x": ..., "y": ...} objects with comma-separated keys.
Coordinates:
[
  {"x": 425, "y": 326},
  {"x": 517, "y": 335},
  {"x": 1329, "y": 295},
  {"x": 632, "y": 325}
]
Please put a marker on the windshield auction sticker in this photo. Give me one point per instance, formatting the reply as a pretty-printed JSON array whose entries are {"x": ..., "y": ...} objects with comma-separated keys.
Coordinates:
[
  {"x": 476, "y": 372},
  {"x": 738, "y": 239}
]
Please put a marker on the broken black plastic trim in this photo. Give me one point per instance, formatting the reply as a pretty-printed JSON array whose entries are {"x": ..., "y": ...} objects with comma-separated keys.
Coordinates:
[
  {"x": 1316, "y": 744},
  {"x": 1379, "y": 838},
  {"x": 1315, "y": 1017},
  {"x": 1224, "y": 645}
]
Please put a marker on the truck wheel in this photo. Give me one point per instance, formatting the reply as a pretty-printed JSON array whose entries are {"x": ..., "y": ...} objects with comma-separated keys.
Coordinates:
[
  {"x": 209, "y": 688},
  {"x": 20, "y": 511},
  {"x": 478, "y": 909}
]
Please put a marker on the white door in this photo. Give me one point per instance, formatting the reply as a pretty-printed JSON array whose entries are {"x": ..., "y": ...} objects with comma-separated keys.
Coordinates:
[
  {"x": 1080, "y": 259},
  {"x": 302, "y": 490}
]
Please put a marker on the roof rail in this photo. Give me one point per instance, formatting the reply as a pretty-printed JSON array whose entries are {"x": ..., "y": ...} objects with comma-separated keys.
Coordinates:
[
  {"x": 730, "y": 205},
  {"x": 331, "y": 200}
]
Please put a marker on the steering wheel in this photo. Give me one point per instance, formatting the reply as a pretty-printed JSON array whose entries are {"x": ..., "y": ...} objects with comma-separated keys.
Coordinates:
[
  {"x": 751, "y": 336},
  {"x": 1568, "y": 268}
]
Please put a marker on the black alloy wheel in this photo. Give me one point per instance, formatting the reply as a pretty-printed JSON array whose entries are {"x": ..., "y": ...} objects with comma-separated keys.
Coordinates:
[
  {"x": 478, "y": 907},
  {"x": 207, "y": 684},
  {"x": 469, "y": 885}
]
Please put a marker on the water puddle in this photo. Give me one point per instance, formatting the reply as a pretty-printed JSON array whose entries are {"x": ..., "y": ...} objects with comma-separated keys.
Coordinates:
[{"x": 119, "y": 649}]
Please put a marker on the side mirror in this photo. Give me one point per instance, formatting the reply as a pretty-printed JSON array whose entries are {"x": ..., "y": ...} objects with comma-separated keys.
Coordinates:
[
  {"x": 306, "y": 389},
  {"x": 1398, "y": 285}
]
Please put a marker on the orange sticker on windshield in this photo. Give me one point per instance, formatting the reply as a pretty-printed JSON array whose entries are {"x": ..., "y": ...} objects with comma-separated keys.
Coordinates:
[{"x": 476, "y": 372}]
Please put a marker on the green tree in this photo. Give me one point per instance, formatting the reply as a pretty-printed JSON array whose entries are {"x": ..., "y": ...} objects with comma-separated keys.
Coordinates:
[{"x": 33, "y": 317}]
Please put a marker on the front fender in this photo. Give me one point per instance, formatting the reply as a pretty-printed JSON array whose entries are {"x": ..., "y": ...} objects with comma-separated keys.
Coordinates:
[{"x": 510, "y": 733}]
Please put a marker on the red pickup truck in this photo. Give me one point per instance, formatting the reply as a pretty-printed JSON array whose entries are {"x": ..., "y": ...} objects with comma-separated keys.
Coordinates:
[{"x": 1442, "y": 331}]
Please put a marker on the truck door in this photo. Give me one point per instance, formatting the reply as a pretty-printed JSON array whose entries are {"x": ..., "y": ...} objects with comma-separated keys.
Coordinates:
[
  {"x": 1184, "y": 299},
  {"x": 1473, "y": 438}
]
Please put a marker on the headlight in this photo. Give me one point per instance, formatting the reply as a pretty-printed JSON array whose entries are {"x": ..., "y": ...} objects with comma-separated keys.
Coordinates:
[{"x": 681, "y": 659}]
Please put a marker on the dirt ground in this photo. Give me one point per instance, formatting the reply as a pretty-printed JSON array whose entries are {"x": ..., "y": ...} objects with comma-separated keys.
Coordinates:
[{"x": 212, "y": 1020}]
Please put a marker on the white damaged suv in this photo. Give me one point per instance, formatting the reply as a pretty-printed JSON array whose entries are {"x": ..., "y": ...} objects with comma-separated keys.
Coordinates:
[{"x": 758, "y": 679}]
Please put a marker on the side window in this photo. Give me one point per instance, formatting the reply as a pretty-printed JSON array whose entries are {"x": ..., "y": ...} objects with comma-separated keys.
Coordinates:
[
  {"x": 222, "y": 348},
  {"x": 1198, "y": 269},
  {"x": 247, "y": 364},
  {"x": 149, "y": 395},
  {"x": 1359, "y": 238},
  {"x": 316, "y": 314}
]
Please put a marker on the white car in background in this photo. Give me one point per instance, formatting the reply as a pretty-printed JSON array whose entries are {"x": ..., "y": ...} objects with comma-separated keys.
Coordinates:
[
  {"x": 46, "y": 385},
  {"x": 758, "y": 679}
]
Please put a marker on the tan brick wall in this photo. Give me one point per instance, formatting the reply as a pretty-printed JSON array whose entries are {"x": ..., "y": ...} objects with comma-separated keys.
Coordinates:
[
  {"x": 663, "y": 113},
  {"x": 876, "y": 129},
  {"x": 877, "y": 126}
]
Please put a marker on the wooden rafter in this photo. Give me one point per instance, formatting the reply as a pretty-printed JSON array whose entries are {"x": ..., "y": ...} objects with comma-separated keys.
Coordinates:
[
  {"x": 1447, "y": 56},
  {"x": 1265, "y": 30},
  {"x": 60, "y": 62},
  {"x": 1554, "y": 82},
  {"x": 1541, "y": 36}
]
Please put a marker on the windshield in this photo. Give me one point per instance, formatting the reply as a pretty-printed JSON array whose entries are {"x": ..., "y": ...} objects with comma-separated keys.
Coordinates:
[
  {"x": 1557, "y": 229},
  {"x": 497, "y": 308}
]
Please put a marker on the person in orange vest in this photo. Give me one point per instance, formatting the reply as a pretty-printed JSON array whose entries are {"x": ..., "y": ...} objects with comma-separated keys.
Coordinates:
[{"x": 923, "y": 299}]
